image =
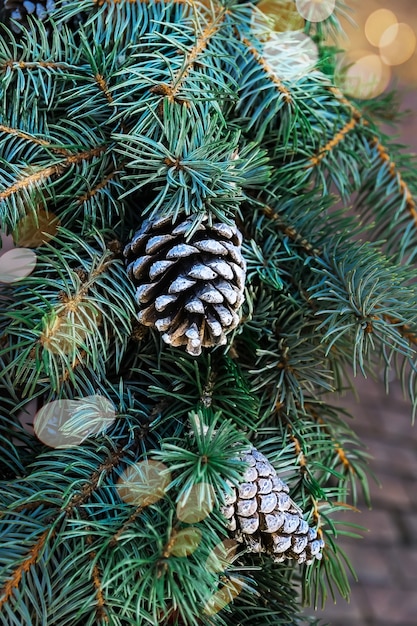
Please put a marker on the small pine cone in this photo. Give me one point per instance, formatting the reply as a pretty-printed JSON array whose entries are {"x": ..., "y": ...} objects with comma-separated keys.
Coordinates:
[
  {"x": 19, "y": 10},
  {"x": 262, "y": 515},
  {"x": 190, "y": 287}
]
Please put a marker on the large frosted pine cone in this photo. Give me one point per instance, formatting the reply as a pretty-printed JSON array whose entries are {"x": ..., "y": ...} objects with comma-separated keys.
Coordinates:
[
  {"x": 190, "y": 286},
  {"x": 262, "y": 515}
]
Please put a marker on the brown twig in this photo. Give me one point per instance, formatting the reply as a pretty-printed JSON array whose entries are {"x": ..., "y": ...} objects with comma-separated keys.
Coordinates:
[
  {"x": 51, "y": 170},
  {"x": 23, "y": 568}
]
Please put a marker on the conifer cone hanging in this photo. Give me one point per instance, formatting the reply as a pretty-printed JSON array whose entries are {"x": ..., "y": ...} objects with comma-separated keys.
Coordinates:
[
  {"x": 189, "y": 286},
  {"x": 19, "y": 10},
  {"x": 262, "y": 515}
]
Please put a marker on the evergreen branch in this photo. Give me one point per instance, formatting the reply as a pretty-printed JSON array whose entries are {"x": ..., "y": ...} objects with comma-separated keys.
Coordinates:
[
  {"x": 283, "y": 90},
  {"x": 17, "y": 132},
  {"x": 89, "y": 487},
  {"x": 334, "y": 142},
  {"x": 125, "y": 525},
  {"x": 191, "y": 166},
  {"x": 395, "y": 174},
  {"x": 80, "y": 291},
  {"x": 76, "y": 501},
  {"x": 22, "y": 568},
  {"x": 68, "y": 371},
  {"x": 103, "y": 86},
  {"x": 71, "y": 303},
  {"x": 316, "y": 513},
  {"x": 385, "y": 158},
  {"x": 32, "y": 179},
  {"x": 101, "y": 613},
  {"x": 211, "y": 29},
  {"x": 360, "y": 311},
  {"x": 343, "y": 458},
  {"x": 356, "y": 114},
  {"x": 52, "y": 170},
  {"x": 98, "y": 187},
  {"x": 341, "y": 453},
  {"x": 86, "y": 490},
  {"x": 301, "y": 457},
  {"x": 289, "y": 231},
  {"x": 22, "y": 65},
  {"x": 353, "y": 460},
  {"x": 403, "y": 329}
]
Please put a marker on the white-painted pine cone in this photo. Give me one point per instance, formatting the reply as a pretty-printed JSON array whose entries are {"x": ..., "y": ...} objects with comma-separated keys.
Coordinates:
[
  {"x": 262, "y": 515},
  {"x": 189, "y": 286}
]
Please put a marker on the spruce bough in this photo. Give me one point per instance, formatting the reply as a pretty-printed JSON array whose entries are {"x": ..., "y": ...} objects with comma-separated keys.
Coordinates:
[{"x": 118, "y": 115}]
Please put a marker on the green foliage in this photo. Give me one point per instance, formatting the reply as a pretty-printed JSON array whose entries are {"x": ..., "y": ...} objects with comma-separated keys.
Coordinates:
[{"x": 169, "y": 107}]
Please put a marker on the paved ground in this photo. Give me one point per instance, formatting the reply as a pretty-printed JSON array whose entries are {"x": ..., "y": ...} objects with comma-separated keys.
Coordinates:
[{"x": 386, "y": 558}]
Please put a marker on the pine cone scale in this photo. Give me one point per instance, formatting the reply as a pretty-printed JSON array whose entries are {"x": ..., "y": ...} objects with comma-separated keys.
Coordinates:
[{"x": 195, "y": 306}]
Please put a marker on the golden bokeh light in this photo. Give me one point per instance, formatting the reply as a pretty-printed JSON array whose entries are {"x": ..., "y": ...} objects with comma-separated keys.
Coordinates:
[
  {"x": 377, "y": 23},
  {"x": 363, "y": 75},
  {"x": 290, "y": 55},
  {"x": 67, "y": 328},
  {"x": 283, "y": 14},
  {"x": 16, "y": 264},
  {"x": 397, "y": 44},
  {"x": 144, "y": 483},
  {"x": 261, "y": 25},
  {"x": 67, "y": 423},
  {"x": 196, "y": 503},
  {"x": 185, "y": 541},
  {"x": 315, "y": 10},
  {"x": 222, "y": 556},
  {"x": 35, "y": 229},
  {"x": 223, "y": 596}
]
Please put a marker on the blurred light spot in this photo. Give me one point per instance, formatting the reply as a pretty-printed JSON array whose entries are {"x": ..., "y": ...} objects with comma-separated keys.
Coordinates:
[
  {"x": 196, "y": 504},
  {"x": 226, "y": 594},
  {"x": 67, "y": 328},
  {"x": 397, "y": 44},
  {"x": 16, "y": 264},
  {"x": 284, "y": 15},
  {"x": 362, "y": 75},
  {"x": 261, "y": 25},
  {"x": 315, "y": 10},
  {"x": 290, "y": 55},
  {"x": 144, "y": 483},
  {"x": 377, "y": 23},
  {"x": 185, "y": 541},
  {"x": 35, "y": 229},
  {"x": 67, "y": 423},
  {"x": 221, "y": 556}
]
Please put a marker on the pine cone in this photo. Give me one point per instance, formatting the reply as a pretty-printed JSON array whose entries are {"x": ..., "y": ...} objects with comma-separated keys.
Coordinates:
[
  {"x": 20, "y": 9},
  {"x": 262, "y": 515},
  {"x": 190, "y": 287}
]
